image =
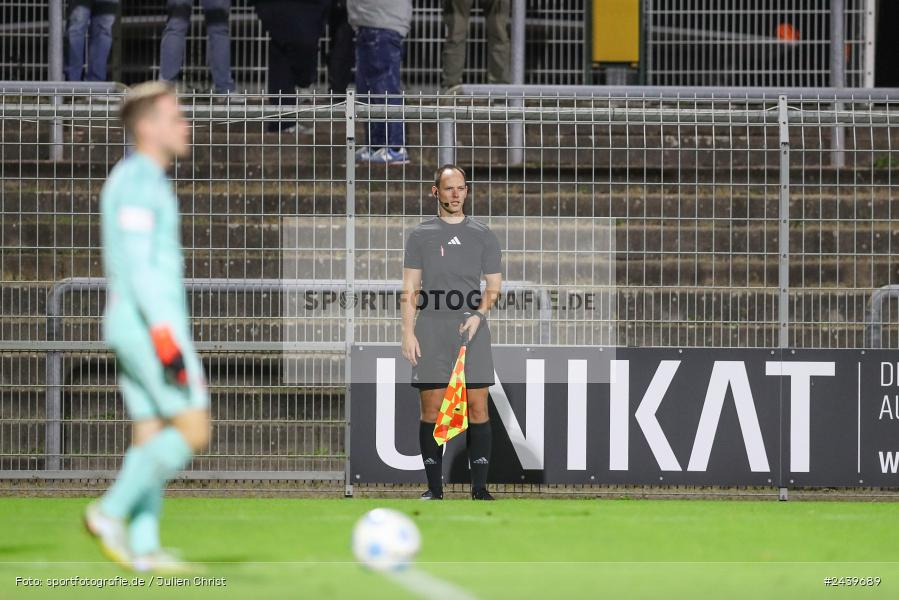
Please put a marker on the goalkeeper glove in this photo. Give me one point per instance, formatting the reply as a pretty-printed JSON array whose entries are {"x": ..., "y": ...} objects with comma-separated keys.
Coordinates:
[{"x": 169, "y": 354}]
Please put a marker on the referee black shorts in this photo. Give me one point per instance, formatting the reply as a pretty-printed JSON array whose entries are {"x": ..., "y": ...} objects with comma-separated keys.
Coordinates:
[{"x": 439, "y": 341}]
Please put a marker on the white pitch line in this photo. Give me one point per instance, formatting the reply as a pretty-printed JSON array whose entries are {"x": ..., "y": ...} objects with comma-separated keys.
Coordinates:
[{"x": 425, "y": 585}]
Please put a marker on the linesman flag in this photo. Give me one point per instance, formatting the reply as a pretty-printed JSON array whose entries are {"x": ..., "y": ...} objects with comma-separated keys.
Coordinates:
[{"x": 453, "y": 417}]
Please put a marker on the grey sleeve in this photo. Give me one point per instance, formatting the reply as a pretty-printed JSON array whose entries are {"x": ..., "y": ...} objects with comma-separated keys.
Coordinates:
[
  {"x": 491, "y": 260},
  {"x": 412, "y": 256}
]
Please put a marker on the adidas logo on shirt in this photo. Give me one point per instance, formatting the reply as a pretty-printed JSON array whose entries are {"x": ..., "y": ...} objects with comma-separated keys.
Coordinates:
[
  {"x": 481, "y": 461},
  {"x": 430, "y": 461},
  {"x": 454, "y": 242}
]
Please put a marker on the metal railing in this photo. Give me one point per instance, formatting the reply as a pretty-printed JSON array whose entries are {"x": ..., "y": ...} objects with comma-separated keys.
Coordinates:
[
  {"x": 706, "y": 218},
  {"x": 685, "y": 42},
  {"x": 552, "y": 37},
  {"x": 56, "y": 346},
  {"x": 874, "y": 317},
  {"x": 759, "y": 43}
]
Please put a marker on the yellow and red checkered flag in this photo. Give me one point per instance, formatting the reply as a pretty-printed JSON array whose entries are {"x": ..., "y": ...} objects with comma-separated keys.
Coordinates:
[{"x": 453, "y": 417}]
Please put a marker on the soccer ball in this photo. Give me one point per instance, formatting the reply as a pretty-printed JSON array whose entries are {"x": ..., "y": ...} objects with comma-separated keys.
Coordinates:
[{"x": 385, "y": 539}]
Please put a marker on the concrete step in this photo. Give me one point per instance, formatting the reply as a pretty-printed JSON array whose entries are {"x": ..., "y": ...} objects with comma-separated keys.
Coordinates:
[
  {"x": 247, "y": 201},
  {"x": 236, "y": 131},
  {"x": 636, "y": 229},
  {"x": 317, "y": 376},
  {"x": 258, "y": 317},
  {"x": 652, "y": 267},
  {"x": 317, "y": 163}
]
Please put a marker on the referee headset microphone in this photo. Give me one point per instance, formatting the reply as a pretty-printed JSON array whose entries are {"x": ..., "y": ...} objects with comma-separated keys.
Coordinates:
[{"x": 445, "y": 205}]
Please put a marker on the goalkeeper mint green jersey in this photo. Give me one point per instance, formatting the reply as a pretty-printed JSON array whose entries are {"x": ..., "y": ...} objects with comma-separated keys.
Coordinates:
[{"x": 142, "y": 256}]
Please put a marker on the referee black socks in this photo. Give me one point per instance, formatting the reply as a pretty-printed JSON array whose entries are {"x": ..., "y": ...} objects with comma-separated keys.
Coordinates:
[
  {"x": 432, "y": 457},
  {"x": 480, "y": 439}
]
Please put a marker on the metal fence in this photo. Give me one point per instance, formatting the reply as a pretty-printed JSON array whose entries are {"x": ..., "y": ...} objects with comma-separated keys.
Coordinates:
[
  {"x": 708, "y": 218},
  {"x": 685, "y": 42},
  {"x": 554, "y": 44},
  {"x": 757, "y": 42}
]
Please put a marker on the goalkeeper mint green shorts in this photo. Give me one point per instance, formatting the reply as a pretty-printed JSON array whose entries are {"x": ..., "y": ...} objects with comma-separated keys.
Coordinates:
[{"x": 146, "y": 391}]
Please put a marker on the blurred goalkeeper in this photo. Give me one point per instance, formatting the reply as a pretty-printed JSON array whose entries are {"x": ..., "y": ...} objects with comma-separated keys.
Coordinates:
[
  {"x": 445, "y": 259},
  {"x": 147, "y": 327}
]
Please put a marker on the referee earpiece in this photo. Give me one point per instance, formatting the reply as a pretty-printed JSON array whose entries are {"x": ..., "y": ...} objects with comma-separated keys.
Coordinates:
[{"x": 445, "y": 205}]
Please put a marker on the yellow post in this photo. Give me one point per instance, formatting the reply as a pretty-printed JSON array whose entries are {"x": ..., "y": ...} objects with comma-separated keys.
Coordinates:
[{"x": 616, "y": 31}]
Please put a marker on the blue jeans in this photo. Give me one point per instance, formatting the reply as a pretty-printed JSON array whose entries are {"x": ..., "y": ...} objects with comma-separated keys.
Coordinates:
[
  {"x": 218, "y": 48},
  {"x": 95, "y": 18},
  {"x": 379, "y": 55}
]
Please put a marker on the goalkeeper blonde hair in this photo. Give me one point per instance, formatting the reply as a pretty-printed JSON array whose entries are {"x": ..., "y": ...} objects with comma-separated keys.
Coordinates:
[{"x": 140, "y": 100}]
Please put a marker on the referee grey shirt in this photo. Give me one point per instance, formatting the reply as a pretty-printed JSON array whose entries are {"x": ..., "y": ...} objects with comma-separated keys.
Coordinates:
[{"x": 452, "y": 258}]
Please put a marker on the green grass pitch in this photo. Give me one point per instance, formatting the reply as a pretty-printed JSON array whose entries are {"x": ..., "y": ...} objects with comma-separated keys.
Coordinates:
[{"x": 547, "y": 549}]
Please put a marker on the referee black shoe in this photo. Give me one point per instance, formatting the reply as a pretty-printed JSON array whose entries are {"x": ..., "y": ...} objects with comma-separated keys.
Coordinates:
[
  {"x": 429, "y": 495},
  {"x": 481, "y": 494}
]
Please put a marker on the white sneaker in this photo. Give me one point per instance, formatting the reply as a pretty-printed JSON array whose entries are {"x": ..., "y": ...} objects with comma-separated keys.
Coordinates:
[
  {"x": 363, "y": 154},
  {"x": 162, "y": 562},
  {"x": 111, "y": 533},
  {"x": 229, "y": 98},
  {"x": 389, "y": 156}
]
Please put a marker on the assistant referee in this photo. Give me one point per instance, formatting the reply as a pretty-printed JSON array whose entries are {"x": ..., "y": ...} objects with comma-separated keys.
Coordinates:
[{"x": 445, "y": 259}]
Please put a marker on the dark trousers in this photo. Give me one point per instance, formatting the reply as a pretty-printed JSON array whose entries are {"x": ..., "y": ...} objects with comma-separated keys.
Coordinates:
[
  {"x": 379, "y": 56},
  {"x": 218, "y": 48},
  {"x": 342, "y": 55},
  {"x": 89, "y": 20},
  {"x": 295, "y": 28}
]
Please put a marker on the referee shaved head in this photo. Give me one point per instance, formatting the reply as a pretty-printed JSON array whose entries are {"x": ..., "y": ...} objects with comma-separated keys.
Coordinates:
[{"x": 448, "y": 167}]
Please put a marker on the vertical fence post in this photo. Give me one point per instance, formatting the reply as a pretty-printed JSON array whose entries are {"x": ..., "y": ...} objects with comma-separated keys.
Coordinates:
[
  {"x": 783, "y": 229},
  {"x": 837, "y": 76},
  {"x": 55, "y": 18},
  {"x": 870, "y": 35},
  {"x": 783, "y": 236},
  {"x": 519, "y": 12},
  {"x": 516, "y": 128},
  {"x": 53, "y": 396},
  {"x": 446, "y": 142},
  {"x": 350, "y": 305}
]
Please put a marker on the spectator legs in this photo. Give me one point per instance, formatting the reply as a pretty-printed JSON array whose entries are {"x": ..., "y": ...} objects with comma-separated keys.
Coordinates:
[
  {"x": 79, "y": 19},
  {"x": 456, "y": 15},
  {"x": 496, "y": 13},
  {"x": 294, "y": 28},
  {"x": 102, "y": 20},
  {"x": 379, "y": 55},
  {"x": 96, "y": 17},
  {"x": 342, "y": 56},
  {"x": 218, "y": 49},
  {"x": 173, "y": 38}
]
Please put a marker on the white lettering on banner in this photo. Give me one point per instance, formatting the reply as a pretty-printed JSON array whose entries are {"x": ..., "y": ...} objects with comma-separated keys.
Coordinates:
[
  {"x": 889, "y": 462},
  {"x": 529, "y": 448},
  {"x": 886, "y": 374},
  {"x": 727, "y": 373},
  {"x": 385, "y": 419},
  {"x": 886, "y": 408},
  {"x": 577, "y": 415},
  {"x": 529, "y": 445},
  {"x": 800, "y": 374},
  {"x": 646, "y": 416},
  {"x": 619, "y": 414}
]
